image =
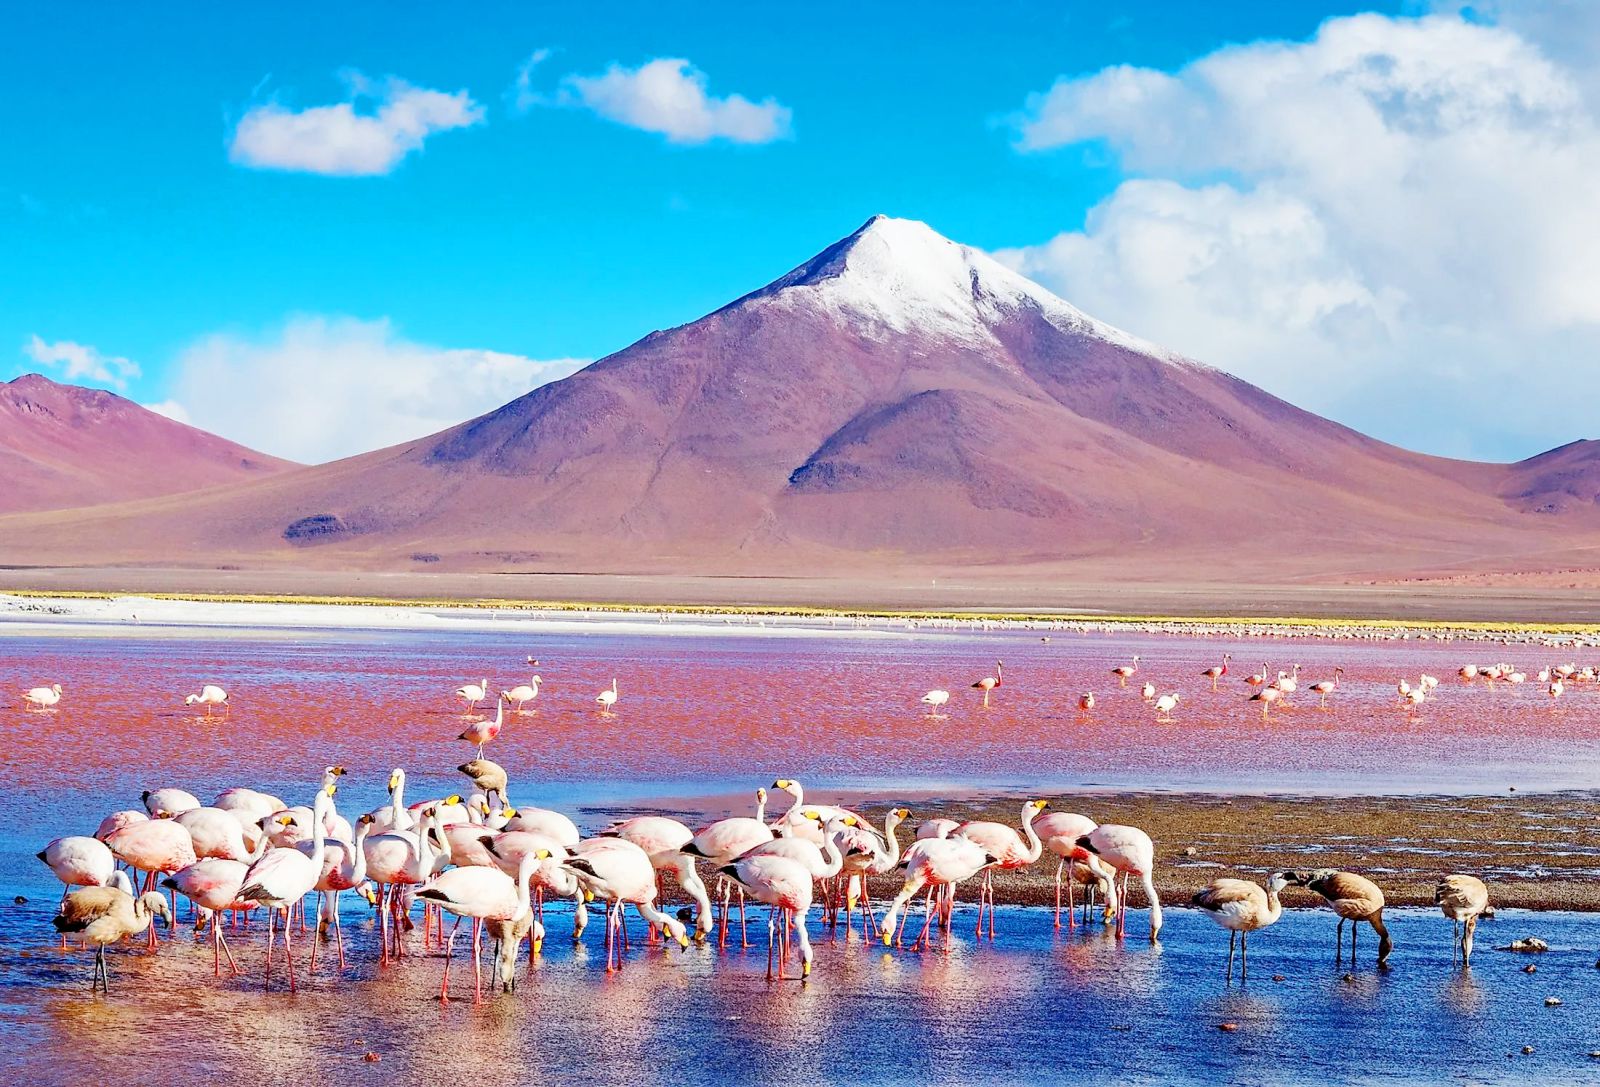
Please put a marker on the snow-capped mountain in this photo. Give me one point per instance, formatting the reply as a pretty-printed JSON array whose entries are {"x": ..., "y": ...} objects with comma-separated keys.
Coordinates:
[{"x": 897, "y": 401}]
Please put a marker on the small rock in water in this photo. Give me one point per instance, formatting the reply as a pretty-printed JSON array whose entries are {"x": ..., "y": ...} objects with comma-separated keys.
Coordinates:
[
  {"x": 1530, "y": 969},
  {"x": 1527, "y": 944},
  {"x": 1228, "y": 1028},
  {"x": 21, "y": 900},
  {"x": 371, "y": 1057},
  {"x": 1595, "y": 1053},
  {"x": 1190, "y": 851},
  {"x": 1349, "y": 979},
  {"x": 1552, "y": 1002},
  {"x": 1527, "y": 1049},
  {"x": 1277, "y": 977}
]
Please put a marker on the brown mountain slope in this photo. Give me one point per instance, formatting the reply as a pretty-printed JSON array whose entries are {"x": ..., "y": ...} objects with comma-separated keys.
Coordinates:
[
  {"x": 64, "y": 445},
  {"x": 898, "y": 401}
]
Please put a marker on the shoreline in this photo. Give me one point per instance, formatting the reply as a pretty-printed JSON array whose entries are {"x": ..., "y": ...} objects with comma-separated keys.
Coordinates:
[
  {"x": 269, "y": 610},
  {"x": 1536, "y": 850}
]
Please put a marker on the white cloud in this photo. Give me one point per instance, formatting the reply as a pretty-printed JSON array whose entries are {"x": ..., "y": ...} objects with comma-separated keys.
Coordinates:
[
  {"x": 1392, "y": 223},
  {"x": 523, "y": 96},
  {"x": 320, "y": 388},
  {"x": 336, "y": 140},
  {"x": 81, "y": 362},
  {"x": 668, "y": 96},
  {"x": 171, "y": 409}
]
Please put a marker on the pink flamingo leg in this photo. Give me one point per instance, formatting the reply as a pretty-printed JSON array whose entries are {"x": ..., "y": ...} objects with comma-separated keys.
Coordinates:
[
  {"x": 270, "y": 922},
  {"x": 288, "y": 947}
]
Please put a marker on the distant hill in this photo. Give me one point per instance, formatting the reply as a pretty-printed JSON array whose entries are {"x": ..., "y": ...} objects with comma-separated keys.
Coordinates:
[
  {"x": 63, "y": 446},
  {"x": 896, "y": 402}
]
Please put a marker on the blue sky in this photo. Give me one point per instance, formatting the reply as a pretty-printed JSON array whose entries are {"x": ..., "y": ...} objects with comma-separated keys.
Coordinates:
[{"x": 136, "y": 226}]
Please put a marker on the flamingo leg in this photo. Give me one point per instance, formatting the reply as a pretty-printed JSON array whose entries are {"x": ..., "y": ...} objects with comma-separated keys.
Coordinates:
[
  {"x": 1244, "y": 956},
  {"x": 772, "y": 937},
  {"x": 444, "y": 984},
  {"x": 233, "y": 967},
  {"x": 744, "y": 934},
  {"x": 311, "y": 966},
  {"x": 1232, "y": 938},
  {"x": 477, "y": 954},
  {"x": 269, "y": 947},
  {"x": 288, "y": 947}
]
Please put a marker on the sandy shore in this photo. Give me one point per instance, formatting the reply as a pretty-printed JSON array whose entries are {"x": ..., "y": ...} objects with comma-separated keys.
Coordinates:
[
  {"x": 1468, "y": 598},
  {"x": 1535, "y": 851}
]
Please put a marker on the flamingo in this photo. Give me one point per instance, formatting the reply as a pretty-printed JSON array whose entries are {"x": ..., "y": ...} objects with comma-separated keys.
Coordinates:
[
  {"x": 79, "y": 861},
  {"x": 1124, "y": 672},
  {"x": 1468, "y": 672},
  {"x": 1266, "y": 696},
  {"x": 210, "y": 695},
  {"x": 1130, "y": 851},
  {"x": 608, "y": 698},
  {"x": 523, "y": 693},
  {"x": 621, "y": 873},
  {"x": 1555, "y": 689},
  {"x": 806, "y": 820},
  {"x": 1148, "y": 691},
  {"x": 483, "y": 894},
  {"x": 282, "y": 877},
  {"x": 481, "y": 732},
  {"x": 1060, "y": 831},
  {"x": 726, "y": 839},
  {"x": 1427, "y": 682},
  {"x": 989, "y": 683},
  {"x": 1086, "y": 701},
  {"x": 42, "y": 698},
  {"x": 1217, "y": 671},
  {"x": 213, "y": 884},
  {"x": 108, "y": 914},
  {"x": 1288, "y": 682},
  {"x": 663, "y": 840},
  {"x": 1355, "y": 899},
  {"x": 401, "y": 858},
  {"x": 1165, "y": 705},
  {"x": 868, "y": 855},
  {"x": 1242, "y": 907},
  {"x": 344, "y": 868},
  {"x": 1258, "y": 679},
  {"x": 157, "y": 845},
  {"x": 214, "y": 833},
  {"x": 165, "y": 803},
  {"x": 934, "y": 862},
  {"x": 1463, "y": 899},
  {"x": 1326, "y": 687},
  {"x": 473, "y": 693},
  {"x": 1009, "y": 849},
  {"x": 936, "y": 828},
  {"x": 934, "y": 699},
  {"x": 1415, "y": 696},
  {"x": 785, "y": 886}
]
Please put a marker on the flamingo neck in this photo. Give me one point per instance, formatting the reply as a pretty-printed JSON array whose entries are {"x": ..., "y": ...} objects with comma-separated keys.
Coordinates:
[
  {"x": 1035, "y": 846},
  {"x": 832, "y": 859},
  {"x": 358, "y": 863},
  {"x": 891, "y": 835}
]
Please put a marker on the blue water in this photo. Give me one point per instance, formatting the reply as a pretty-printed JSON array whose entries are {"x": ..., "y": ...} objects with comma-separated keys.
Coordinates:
[{"x": 1034, "y": 1006}]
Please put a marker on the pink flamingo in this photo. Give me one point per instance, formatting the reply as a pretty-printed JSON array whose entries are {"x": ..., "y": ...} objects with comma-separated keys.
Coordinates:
[
  {"x": 1217, "y": 671},
  {"x": 785, "y": 886},
  {"x": 936, "y": 863},
  {"x": 283, "y": 877},
  {"x": 989, "y": 683},
  {"x": 1326, "y": 687},
  {"x": 213, "y": 885},
  {"x": 481, "y": 732},
  {"x": 1125, "y": 672},
  {"x": 1009, "y": 850},
  {"x": 1060, "y": 831},
  {"x": 724, "y": 840},
  {"x": 483, "y": 894},
  {"x": 1130, "y": 851},
  {"x": 1266, "y": 696},
  {"x": 621, "y": 873},
  {"x": 152, "y": 847}
]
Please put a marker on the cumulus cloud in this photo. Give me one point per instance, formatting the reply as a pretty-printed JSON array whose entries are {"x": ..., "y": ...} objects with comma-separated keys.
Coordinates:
[
  {"x": 320, "y": 388},
  {"x": 1392, "y": 223},
  {"x": 81, "y": 362},
  {"x": 339, "y": 141},
  {"x": 171, "y": 409},
  {"x": 668, "y": 96}
]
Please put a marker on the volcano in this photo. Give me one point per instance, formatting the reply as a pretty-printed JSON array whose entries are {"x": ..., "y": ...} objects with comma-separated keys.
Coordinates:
[{"x": 899, "y": 401}]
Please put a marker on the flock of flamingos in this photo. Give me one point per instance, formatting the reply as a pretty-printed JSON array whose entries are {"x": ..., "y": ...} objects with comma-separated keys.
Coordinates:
[{"x": 482, "y": 858}]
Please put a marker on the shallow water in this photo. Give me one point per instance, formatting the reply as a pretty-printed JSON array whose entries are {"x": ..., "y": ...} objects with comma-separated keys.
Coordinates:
[
  {"x": 703, "y": 717},
  {"x": 1034, "y": 1006}
]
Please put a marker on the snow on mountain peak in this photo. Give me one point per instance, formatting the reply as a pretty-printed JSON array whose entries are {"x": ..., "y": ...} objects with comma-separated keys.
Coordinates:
[{"x": 903, "y": 274}]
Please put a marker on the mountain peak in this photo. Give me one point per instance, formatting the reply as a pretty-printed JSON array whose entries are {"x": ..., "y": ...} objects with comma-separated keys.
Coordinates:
[{"x": 906, "y": 277}]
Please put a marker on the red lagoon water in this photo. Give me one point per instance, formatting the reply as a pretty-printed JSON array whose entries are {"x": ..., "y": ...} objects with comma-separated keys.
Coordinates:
[{"x": 707, "y": 714}]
